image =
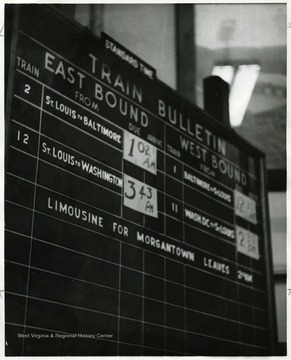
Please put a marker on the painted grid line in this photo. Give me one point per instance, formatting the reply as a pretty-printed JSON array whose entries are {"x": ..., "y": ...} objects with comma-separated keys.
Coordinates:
[
  {"x": 118, "y": 290},
  {"x": 198, "y": 269},
  {"x": 117, "y": 239},
  {"x": 32, "y": 224},
  {"x": 155, "y": 324}
]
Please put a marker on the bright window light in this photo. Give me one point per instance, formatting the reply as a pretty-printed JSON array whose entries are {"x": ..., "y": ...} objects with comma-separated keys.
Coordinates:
[
  {"x": 242, "y": 83},
  {"x": 241, "y": 92},
  {"x": 225, "y": 72}
]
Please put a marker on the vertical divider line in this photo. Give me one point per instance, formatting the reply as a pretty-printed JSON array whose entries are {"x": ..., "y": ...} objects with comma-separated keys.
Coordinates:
[
  {"x": 184, "y": 266},
  {"x": 185, "y": 310},
  {"x": 165, "y": 231},
  {"x": 165, "y": 174},
  {"x": 253, "y": 302},
  {"x": 236, "y": 269},
  {"x": 253, "y": 312},
  {"x": 32, "y": 220},
  {"x": 120, "y": 249},
  {"x": 183, "y": 203},
  {"x": 122, "y": 174},
  {"x": 165, "y": 306},
  {"x": 142, "y": 304},
  {"x": 119, "y": 296},
  {"x": 143, "y": 217}
]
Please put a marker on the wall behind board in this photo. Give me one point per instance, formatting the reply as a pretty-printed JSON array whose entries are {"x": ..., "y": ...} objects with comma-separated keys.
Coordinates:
[{"x": 146, "y": 30}]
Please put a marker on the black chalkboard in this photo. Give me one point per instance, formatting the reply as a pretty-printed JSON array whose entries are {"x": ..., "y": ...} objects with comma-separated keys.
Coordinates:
[{"x": 135, "y": 223}]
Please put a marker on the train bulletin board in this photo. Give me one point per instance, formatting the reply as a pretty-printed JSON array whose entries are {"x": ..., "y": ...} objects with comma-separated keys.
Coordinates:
[{"x": 136, "y": 224}]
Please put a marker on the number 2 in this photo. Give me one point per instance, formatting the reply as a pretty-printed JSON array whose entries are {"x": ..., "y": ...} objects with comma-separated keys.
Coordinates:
[
  {"x": 27, "y": 88},
  {"x": 24, "y": 137},
  {"x": 241, "y": 238}
]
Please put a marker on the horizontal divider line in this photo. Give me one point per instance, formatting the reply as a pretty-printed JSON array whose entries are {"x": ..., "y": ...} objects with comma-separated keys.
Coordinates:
[
  {"x": 132, "y": 101},
  {"x": 179, "y": 242},
  {"x": 45, "y": 214},
  {"x": 167, "y": 154},
  {"x": 128, "y": 268},
  {"x": 116, "y": 316},
  {"x": 98, "y": 209}
]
